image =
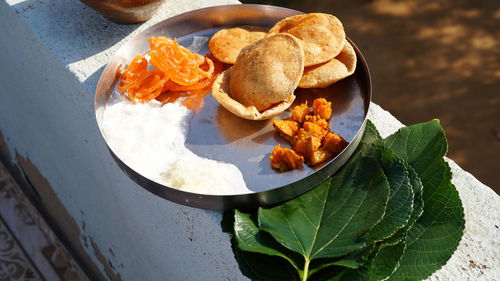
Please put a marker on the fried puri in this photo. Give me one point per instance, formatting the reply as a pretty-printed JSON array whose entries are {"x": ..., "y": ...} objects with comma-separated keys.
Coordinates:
[
  {"x": 261, "y": 83},
  {"x": 323, "y": 35},
  {"x": 226, "y": 44},
  {"x": 325, "y": 74}
]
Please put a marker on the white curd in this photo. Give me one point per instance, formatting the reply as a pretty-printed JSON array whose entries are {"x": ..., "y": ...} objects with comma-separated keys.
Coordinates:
[{"x": 150, "y": 139}]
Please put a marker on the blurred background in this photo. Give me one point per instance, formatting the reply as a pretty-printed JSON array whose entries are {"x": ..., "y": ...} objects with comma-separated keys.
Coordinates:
[{"x": 432, "y": 59}]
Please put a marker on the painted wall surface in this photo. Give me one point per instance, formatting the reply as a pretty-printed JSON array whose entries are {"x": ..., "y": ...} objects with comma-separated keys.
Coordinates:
[{"x": 52, "y": 54}]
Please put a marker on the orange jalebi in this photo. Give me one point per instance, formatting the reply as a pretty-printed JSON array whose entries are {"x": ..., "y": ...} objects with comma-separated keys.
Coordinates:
[
  {"x": 211, "y": 64},
  {"x": 182, "y": 66},
  {"x": 133, "y": 73},
  {"x": 176, "y": 70},
  {"x": 141, "y": 84}
]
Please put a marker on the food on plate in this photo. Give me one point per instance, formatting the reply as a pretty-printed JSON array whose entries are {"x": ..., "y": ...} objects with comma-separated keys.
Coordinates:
[
  {"x": 284, "y": 159},
  {"x": 320, "y": 155},
  {"x": 148, "y": 130},
  {"x": 334, "y": 143},
  {"x": 322, "y": 108},
  {"x": 175, "y": 69},
  {"x": 309, "y": 51},
  {"x": 322, "y": 35},
  {"x": 140, "y": 83},
  {"x": 308, "y": 132},
  {"x": 287, "y": 128},
  {"x": 226, "y": 44},
  {"x": 150, "y": 138},
  {"x": 300, "y": 112},
  {"x": 315, "y": 129},
  {"x": 261, "y": 83},
  {"x": 316, "y": 119},
  {"x": 327, "y": 73},
  {"x": 267, "y": 72}
]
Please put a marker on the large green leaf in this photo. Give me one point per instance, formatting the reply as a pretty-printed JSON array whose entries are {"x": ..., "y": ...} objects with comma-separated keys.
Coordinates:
[
  {"x": 330, "y": 220},
  {"x": 385, "y": 262},
  {"x": 264, "y": 260},
  {"x": 353, "y": 260},
  {"x": 422, "y": 146},
  {"x": 382, "y": 265},
  {"x": 371, "y": 134},
  {"x": 418, "y": 202},
  {"x": 418, "y": 207},
  {"x": 259, "y": 267},
  {"x": 435, "y": 235},
  {"x": 404, "y": 188},
  {"x": 400, "y": 203},
  {"x": 249, "y": 238}
]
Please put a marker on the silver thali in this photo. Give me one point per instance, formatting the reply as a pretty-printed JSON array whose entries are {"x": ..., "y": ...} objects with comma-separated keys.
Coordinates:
[{"x": 217, "y": 134}]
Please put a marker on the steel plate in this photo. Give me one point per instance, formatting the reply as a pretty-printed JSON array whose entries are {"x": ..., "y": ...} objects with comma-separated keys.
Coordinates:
[{"x": 217, "y": 134}]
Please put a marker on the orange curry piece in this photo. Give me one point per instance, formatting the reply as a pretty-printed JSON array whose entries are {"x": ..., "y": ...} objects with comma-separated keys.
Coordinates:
[
  {"x": 284, "y": 159},
  {"x": 174, "y": 69},
  {"x": 309, "y": 135}
]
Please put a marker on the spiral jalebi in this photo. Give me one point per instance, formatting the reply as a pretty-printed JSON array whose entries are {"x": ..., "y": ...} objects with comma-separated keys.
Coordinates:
[{"x": 175, "y": 69}]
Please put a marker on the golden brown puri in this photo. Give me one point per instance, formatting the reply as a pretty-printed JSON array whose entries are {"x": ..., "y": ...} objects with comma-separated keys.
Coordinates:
[
  {"x": 267, "y": 71},
  {"x": 220, "y": 91},
  {"x": 226, "y": 44},
  {"x": 325, "y": 74},
  {"x": 323, "y": 35}
]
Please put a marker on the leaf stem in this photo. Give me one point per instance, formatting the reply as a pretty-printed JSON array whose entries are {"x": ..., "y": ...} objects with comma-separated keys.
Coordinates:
[{"x": 306, "y": 269}]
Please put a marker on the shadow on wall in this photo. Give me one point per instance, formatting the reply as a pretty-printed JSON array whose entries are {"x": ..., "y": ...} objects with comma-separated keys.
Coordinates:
[
  {"x": 91, "y": 82},
  {"x": 432, "y": 59},
  {"x": 77, "y": 39}
]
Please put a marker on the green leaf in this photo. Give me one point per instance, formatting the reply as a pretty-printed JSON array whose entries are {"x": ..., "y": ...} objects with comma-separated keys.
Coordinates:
[
  {"x": 259, "y": 267},
  {"x": 350, "y": 275},
  {"x": 418, "y": 202},
  {"x": 386, "y": 261},
  {"x": 422, "y": 146},
  {"x": 353, "y": 260},
  {"x": 330, "y": 220},
  {"x": 400, "y": 204},
  {"x": 383, "y": 263},
  {"x": 418, "y": 207},
  {"x": 250, "y": 238},
  {"x": 370, "y": 136},
  {"x": 371, "y": 133},
  {"x": 435, "y": 235}
]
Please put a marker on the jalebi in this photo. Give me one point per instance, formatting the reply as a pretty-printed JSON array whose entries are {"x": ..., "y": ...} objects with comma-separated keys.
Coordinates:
[
  {"x": 211, "y": 64},
  {"x": 176, "y": 70},
  {"x": 182, "y": 66}
]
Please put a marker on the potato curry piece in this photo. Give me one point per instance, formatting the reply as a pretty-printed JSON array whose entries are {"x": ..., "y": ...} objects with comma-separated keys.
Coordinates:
[
  {"x": 314, "y": 129},
  {"x": 284, "y": 159},
  {"x": 287, "y": 128},
  {"x": 299, "y": 142},
  {"x": 312, "y": 144},
  {"x": 316, "y": 119},
  {"x": 333, "y": 142},
  {"x": 300, "y": 112},
  {"x": 309, "y": 135},
  {"x": 322, "y": 108},
  {"x": 319, "y": 156}
]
